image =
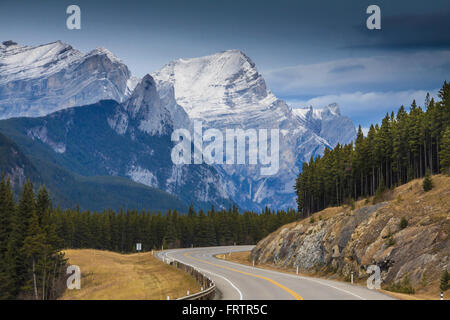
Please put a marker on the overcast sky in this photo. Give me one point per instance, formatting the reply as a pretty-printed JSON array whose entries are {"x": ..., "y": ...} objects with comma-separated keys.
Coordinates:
[{"x": 311, "y": 52}]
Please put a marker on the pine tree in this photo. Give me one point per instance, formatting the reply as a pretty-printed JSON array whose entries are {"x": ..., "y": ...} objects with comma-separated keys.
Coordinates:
[
  {"x": 17, "y": 263},
  {"x": 7, "y": 210},
  {"x": 444, "y": 154},
  {"x": 427, "y": 182},
  {"x": 445, "y": 278},
  {"x": 33, "y": 249},
  {"x": 170, "y": 237},
  {"x": 403, "y": 148},
  {"x": 43, "y": 205}
]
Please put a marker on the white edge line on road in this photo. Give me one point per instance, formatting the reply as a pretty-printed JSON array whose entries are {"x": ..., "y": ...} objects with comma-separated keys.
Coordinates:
[
  {"x": 231, "y": 283},
  {"x": 210, "y": 272},
  {"x": 292, "y": 276}
]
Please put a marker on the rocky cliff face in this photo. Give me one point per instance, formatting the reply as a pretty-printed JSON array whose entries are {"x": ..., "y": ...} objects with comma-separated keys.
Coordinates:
[
  {"x": 226, "y": 91},
  {"x": 340, "y": 240},
  {"x": 130, "y": 139}
]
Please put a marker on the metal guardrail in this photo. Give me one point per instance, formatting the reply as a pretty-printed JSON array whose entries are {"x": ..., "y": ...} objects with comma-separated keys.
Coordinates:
[{"x": 208, "y": 287}]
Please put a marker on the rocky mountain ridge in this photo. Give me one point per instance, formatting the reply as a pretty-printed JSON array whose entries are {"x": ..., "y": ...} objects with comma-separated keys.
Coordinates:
[
  {"x": 38, "y": 80},
  {"x": 223, "y": 90}
]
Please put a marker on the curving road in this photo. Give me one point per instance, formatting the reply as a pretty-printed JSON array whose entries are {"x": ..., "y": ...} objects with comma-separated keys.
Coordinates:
[{"x": 240, "y": 282}]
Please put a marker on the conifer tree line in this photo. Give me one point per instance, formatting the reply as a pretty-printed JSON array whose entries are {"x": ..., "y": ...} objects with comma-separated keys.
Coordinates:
[
  {"x": 31, "y": 265},
  {"x": 120, "y": 231},
  {"x": 405, "y": 146},
  {"x": 33, "y": 235}
]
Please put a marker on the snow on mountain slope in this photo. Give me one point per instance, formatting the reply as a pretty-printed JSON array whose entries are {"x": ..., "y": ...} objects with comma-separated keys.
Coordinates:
[
  {"x": 37, "y": 80},
  {"x": 327, "y": 123},
  {"x": 25, "y": 62},
  {"x": 226, "y": 91},
  {"x": 224, "y": 87}
]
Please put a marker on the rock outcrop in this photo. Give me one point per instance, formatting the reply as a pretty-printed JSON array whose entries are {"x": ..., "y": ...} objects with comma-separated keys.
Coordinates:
[{"x": 339, "y": 240}]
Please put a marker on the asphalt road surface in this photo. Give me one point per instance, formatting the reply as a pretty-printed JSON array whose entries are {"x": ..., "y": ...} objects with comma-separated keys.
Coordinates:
[{"x": 240, "y": 282}]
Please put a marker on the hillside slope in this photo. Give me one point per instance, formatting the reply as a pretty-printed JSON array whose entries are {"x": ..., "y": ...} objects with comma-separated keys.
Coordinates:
[
  {"x": 15, "y": 165},
  {"x": 339, "y": 240},
  {"x": 69, "y": 189}
]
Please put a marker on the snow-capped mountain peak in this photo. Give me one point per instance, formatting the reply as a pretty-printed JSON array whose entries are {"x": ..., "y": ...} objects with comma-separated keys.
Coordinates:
[
  {"x": 328, "y": 123},
  {"x": 37, "y": 80},
  {"x": 103, "y": 51},
  {"x": 19, "y": 62},
  {"x": 226, "y": 91},
  {"x": 213, "y": 86},
  {"x": 332, "y": 109}
]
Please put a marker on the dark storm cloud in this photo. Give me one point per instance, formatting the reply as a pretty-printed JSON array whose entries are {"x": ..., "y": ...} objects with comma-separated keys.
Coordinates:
[{"x": 409, "y": 31}]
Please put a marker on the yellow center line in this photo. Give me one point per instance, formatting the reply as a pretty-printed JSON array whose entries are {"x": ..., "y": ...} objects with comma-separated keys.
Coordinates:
[{"x": 290, "y": 291}]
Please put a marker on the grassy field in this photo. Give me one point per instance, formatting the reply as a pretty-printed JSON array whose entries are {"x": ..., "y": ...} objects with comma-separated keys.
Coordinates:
[{"x": 113, "y": 276}]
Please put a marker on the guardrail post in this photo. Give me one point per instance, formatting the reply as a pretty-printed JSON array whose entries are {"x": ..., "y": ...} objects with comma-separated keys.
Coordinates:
[{"x": 202, "y": 279}]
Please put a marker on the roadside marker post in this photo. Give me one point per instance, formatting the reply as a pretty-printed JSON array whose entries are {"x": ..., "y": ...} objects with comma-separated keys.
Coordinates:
[
  {"x": 253, "y": 262},
  {"x": 168, "y": 298},
  {"x": 187, "y": 292},
  {"x": 297, "y": 270},
  {"x": 138, "y": 247},
  {"x": 352, "y": 277},
  {"x": 442, "y": 295}
]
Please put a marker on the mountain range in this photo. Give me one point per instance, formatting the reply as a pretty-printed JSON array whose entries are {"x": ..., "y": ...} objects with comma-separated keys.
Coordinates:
[{"x": 129, "y": 134}]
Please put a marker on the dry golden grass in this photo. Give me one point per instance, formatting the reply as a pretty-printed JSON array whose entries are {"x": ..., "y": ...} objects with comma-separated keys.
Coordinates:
[
  {"x": 406, "y": 201},
  {"x": 113, "y": 276},
  {"x": 242, "y": 257}
]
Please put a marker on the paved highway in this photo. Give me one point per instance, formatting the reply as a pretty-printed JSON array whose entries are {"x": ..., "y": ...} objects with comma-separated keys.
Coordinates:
[{"x": 240, "y": 282}]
